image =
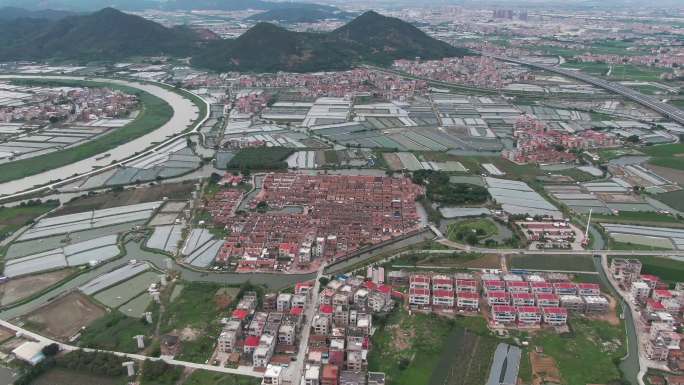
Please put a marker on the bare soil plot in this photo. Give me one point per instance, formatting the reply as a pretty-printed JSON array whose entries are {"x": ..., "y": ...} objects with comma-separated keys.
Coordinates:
[
  {"x": 127, "y": 197},
  {"x": 393, "y": 161},
  {"x": 611, "y": 315},
  {"x": 544, "y": 369},
  {"x": 5, "y": 334},
  {"x": 65, "y": 316},
  {"x": 20, "y": 288}
]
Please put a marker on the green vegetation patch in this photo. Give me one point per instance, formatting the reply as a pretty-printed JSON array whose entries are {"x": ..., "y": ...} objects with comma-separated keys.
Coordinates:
[
  {"x": 115, "y": 332},
  {"x": 552, "y": 262},
  {"x": 667, "y": 155},
  {"x": 260, "y": 158},
  {"x": 637, "y": 218},
  {"x": 75, "y": 368},
  {"x": 587, "y": 355},
  {"x": 427, "y": 349},
  {"x": 153, "y": 114},
  {"x": 669, "y": 270},
  {"x": 471, "y": 230},
  {"x": 674, "y": 199},
  {"x": 14, "y": 218},
  {"x": 159, "y": 373},
  {"x": 439, "y": 189},
  {"x": 205, "y": 377}
]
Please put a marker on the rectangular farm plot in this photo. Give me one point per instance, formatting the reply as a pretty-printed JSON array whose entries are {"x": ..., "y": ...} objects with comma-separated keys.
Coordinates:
[
  {"x": 137, "y": 306},
  {"x": 65, "y": 316},
  {"x": 113, "y": 277},
  {"x": 118, "y": 295}
]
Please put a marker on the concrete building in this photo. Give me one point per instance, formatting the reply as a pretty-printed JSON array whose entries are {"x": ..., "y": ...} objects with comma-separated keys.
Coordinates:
[
  {"x": 273, "y": 375},
  {"x": 529, "y": 315},
  {"x": 573, "y": 303},
  {"x": 625, "y": 271},
  {"x": 504, "y": 314},
  {"x": 640, "y": 291},
  {"x": 284, "y": 302},
  {"x": 419, "y": 296},
  {"x": 595, "y": 304},
  {"x": 565, "y": 288},
  {"x": 312, "y": 375},
  {"x": 443, "y": 298},
  {"x": 522, "y": 299},
  {"x": 468, "y": 301},
  {"x": 555, "y": 316},
  {"x": 585, "y": 289},
  {"x": 548, "y": 300},
  {"x": 498, "y": 298}
]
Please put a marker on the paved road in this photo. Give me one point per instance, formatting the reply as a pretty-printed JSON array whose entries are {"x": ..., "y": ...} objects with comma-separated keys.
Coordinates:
[
  {"x": 655, "y": 104},
  {"x": 184, "y": 113},
  {"x": 138, "y": 357},
  {"x": 297, "y": 368}
]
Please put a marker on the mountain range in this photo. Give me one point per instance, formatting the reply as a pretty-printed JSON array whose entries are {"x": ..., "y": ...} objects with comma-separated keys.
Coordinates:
[{"x": 111, "y": 35}]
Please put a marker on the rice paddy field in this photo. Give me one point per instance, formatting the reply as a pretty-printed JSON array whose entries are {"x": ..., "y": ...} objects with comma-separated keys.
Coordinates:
[
  {"x": 551, "y": 262},
  {"x": 118, "y": 295}
]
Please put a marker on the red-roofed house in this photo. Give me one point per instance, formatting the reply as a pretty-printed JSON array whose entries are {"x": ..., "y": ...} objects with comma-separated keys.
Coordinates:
[
  {"x": 468, "y": 301},
  {"x": 466, "y": 286},
  {"x": 303, "y": 287},
  {"x": 529, "y": 315},
  {"x": 419, "y": 297},
  {"x": 296, "y": 311},
  {"x": 522, "y": 299},
  {"x": 251, "y": 343},
  {"x": 503, "y": 314},
  {"x": 518, "y": 287},
  {"x": 548, "y": 300},
  {"x": 541, "y": 287},
  {"x": 498, "y": 298},
  {"x": 494, "y": 285},
  {"x": 565, "y": 288},
  {"x": 660, "y": 295},
  {"x": 585, "y": 289},
  {"x": 239, "y": 314},
  {"x": 651, "y": 280},
  {"x": 654, "y": 306},
  {"x": 419, "y": 281},
  {"x": 326, "y": 310},
  {"x": 556, "y": 316},
  {"x": 330, "y": 375},
  {"x": 442, "y": 282},
  {"x": 443, "y": 298}
]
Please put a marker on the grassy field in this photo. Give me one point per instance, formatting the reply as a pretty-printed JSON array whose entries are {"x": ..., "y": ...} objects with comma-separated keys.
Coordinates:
[
  {"x": 195, "y": 312},
  {"x": 260, "y": 158},
  {"x": 638, "y": 218},
  {"x": 633, "y": 246},
  {"x": 669, "y": 270},
  {"x": 552, "y": 262},
  {"x": 667, "y": 155},
  {"x": 14, "y": 218},
  {"x": 481, "y": 227},
  {"x": 453, "y": 260},
  {"x": 620, "y": 72},
  {"x": 61, "y": 376},
  {"x": 203, "y": 377},
  {"x": 587, "y": 356},
  {"x": 577, "y": 175},
  {"x": 153, "y": 114},
  {"x": 674, "y": 199},
  {"x": 428, "y": 349},
  {"x": 115, "y": 332}
]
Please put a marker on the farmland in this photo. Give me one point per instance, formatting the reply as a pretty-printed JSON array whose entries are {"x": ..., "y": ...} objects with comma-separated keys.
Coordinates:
[
  {"x": 13, "y": 218},
  {"x": 116, "y": 296},
  {"x": 153, "y": 114},
  {"x": 203, "y": 377},
  {"x": 552, "y": 262},
  {"x": 587, "y": 354},
  {"x": 18, "y": 289},
  {"x": 61, "y": 376},
  {"x": 261, "y": 158},
  {"x": 637, "y": 218},
  {"x": 65, "y": 316},
  {"x": 115, "y": 331},
  {"x": 674, "y": 199},
  {"x": 426, "y": 349},
  {"x": 667, "y": 155}
]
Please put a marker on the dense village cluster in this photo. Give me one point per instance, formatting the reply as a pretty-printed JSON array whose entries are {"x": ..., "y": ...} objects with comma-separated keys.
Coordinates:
[
  {"x": 267, "y": 337},
  {"x": 36, "y": 104},
  {"x": 660, "y": 311},
  {"x": 509, "y": 300},
  {"x": 470, "y": 70},
  {"x": 313, "y": 218},
  {"x": 537, "y": 144}
]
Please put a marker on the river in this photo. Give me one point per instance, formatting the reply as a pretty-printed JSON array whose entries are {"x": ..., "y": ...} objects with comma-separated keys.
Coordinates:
[{"x": 184, "y": 113}]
